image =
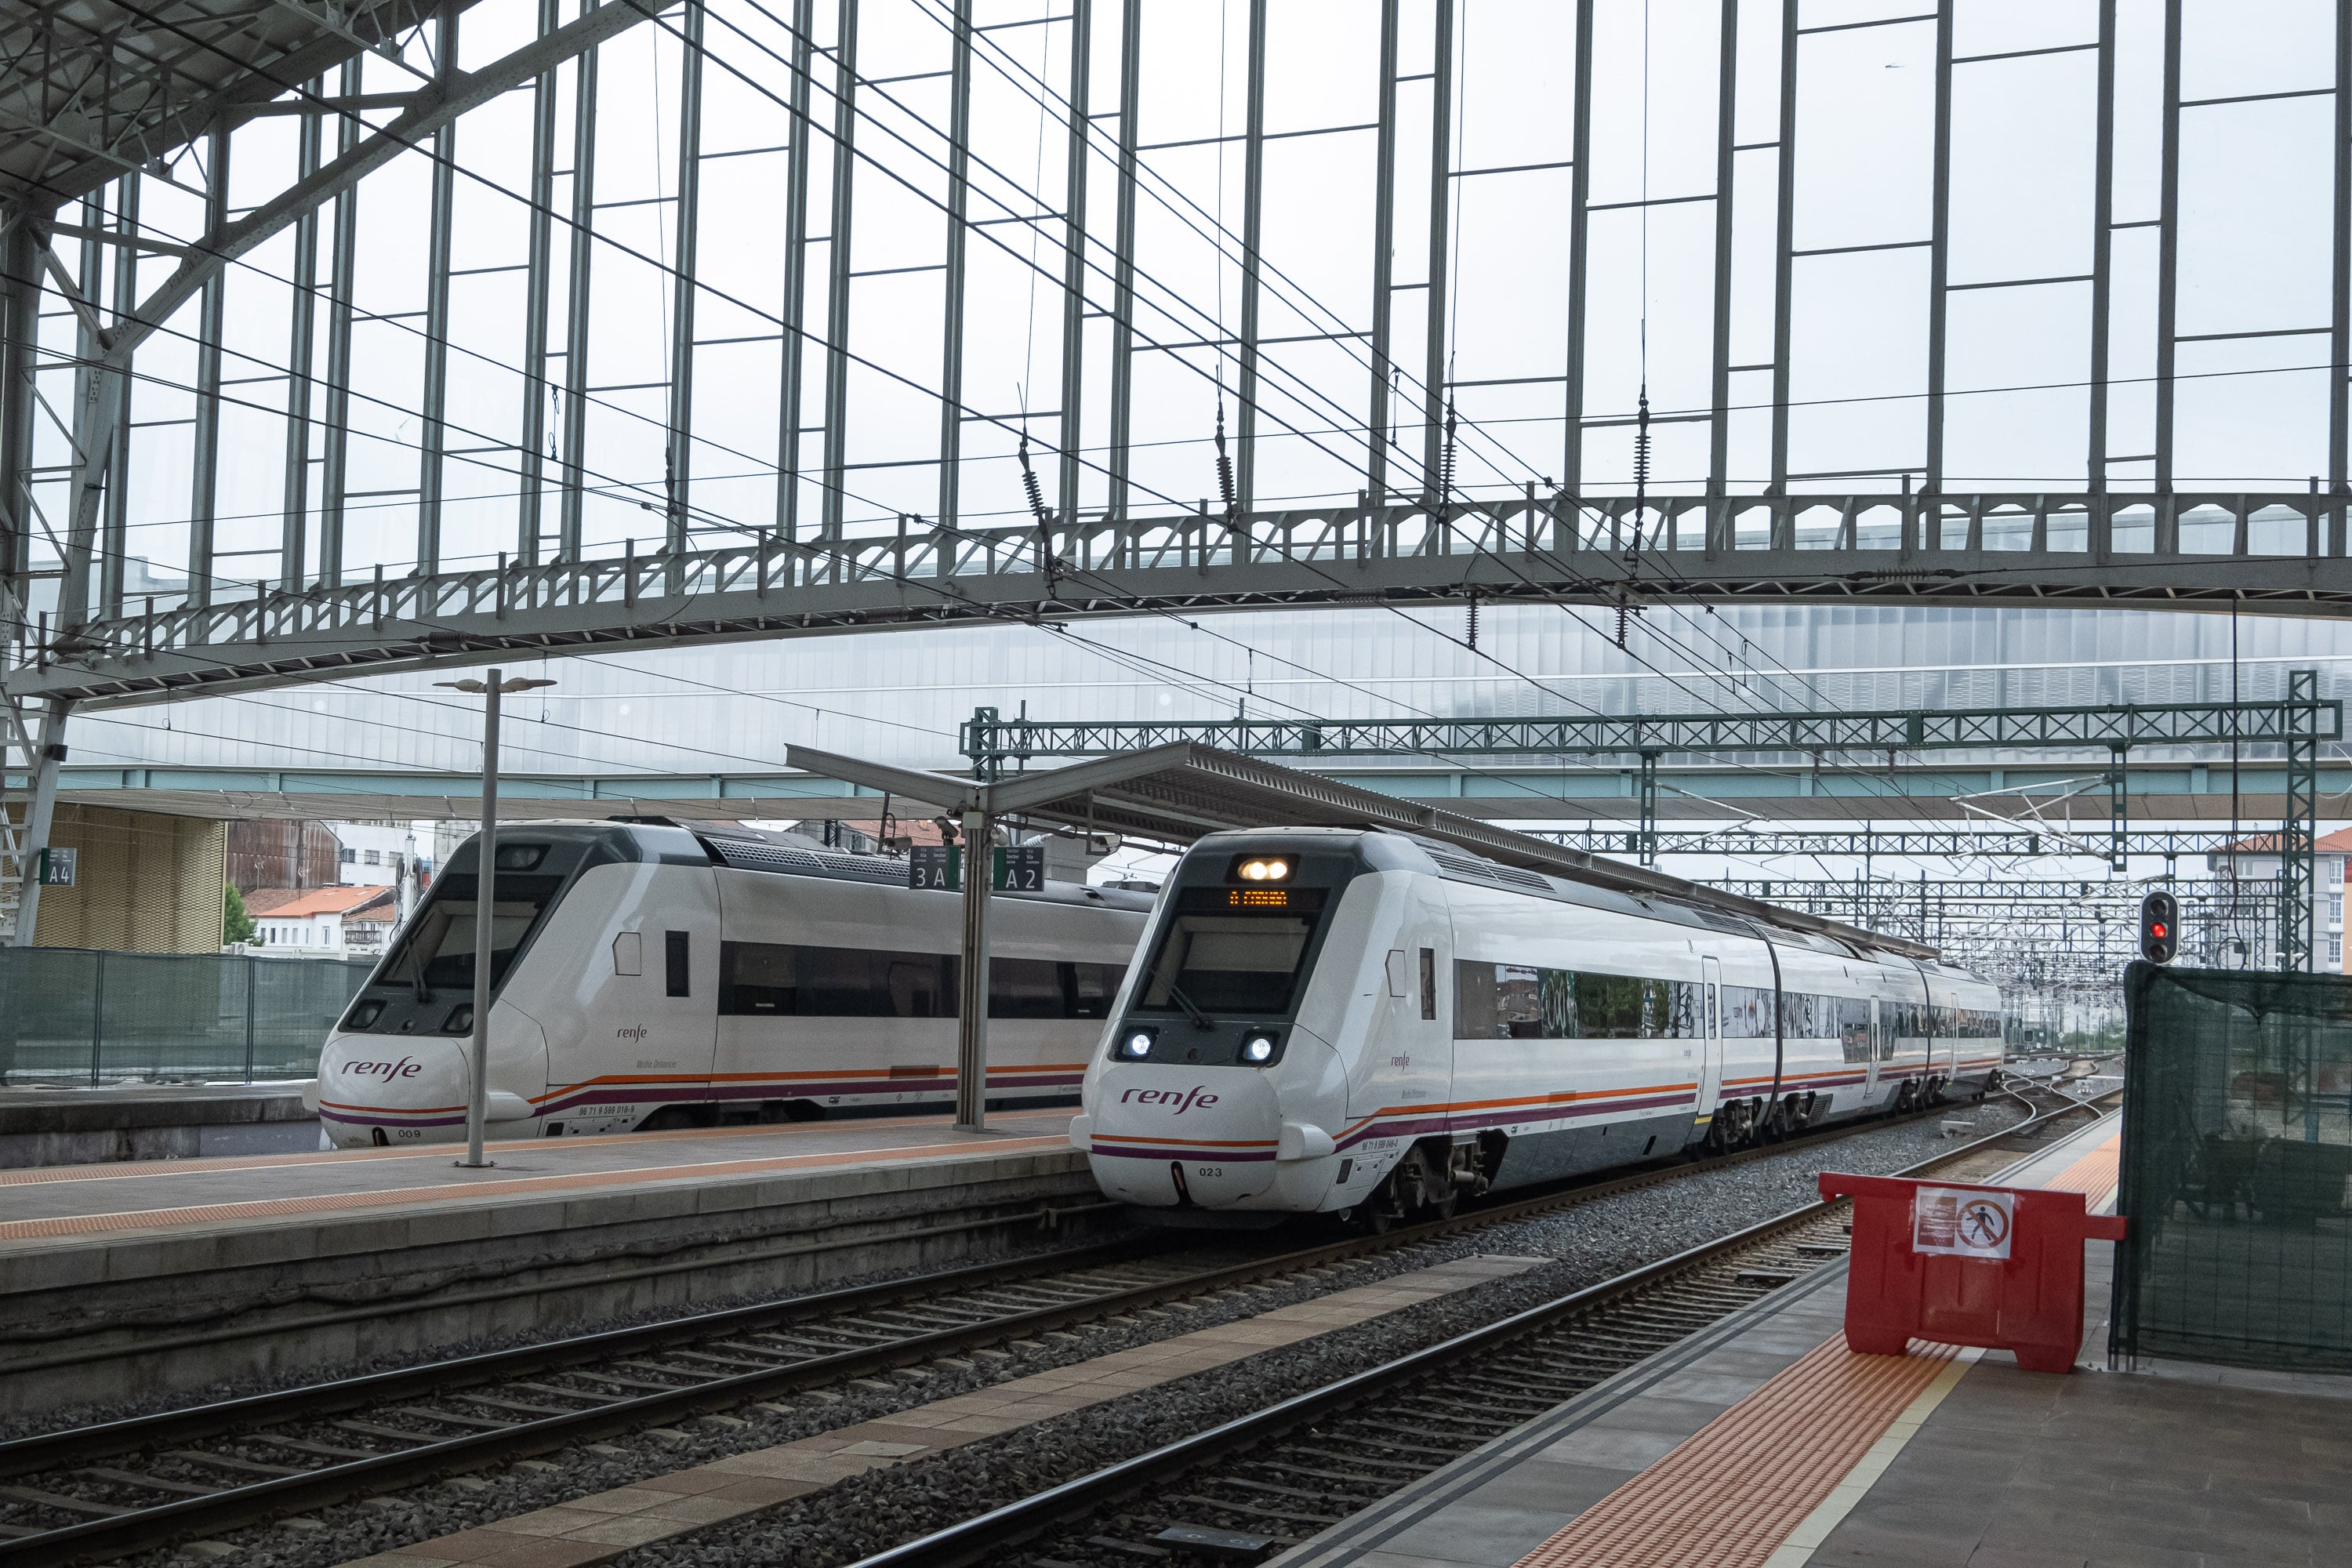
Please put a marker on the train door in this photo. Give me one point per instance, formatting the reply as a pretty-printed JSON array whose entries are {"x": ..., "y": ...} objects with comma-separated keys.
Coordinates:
[
  {"x": 1710, "y": 1066},
  {"x": 1882, "y": 1031}
]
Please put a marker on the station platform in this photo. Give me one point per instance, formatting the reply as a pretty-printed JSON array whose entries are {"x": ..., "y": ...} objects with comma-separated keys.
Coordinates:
[
  {"x": 1763, "y": 1443},
  {"x": 41, "y": 1125},
  {"x": 162, "y": 1274}
]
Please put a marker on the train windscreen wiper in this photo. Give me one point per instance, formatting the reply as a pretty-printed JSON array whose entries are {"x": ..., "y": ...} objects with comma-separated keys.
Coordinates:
[{"x": 1199, "y": 1020}]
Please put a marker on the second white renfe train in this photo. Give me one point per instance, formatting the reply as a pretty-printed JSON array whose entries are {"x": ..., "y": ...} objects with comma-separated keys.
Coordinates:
[{"x": 1328, "y": 1021}]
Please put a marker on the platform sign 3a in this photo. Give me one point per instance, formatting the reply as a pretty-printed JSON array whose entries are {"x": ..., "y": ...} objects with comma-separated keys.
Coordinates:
[
  {"x": 1962, "y": 1222},
  {"x": 936, "y": 867}
]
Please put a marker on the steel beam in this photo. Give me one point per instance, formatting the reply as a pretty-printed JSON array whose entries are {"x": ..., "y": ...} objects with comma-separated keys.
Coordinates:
[
  {"x": 1122, "y": 309},
  {"x": 2299, "y": 832},
  {"x": 1074, "y": 260},
  {"x": 581, "y": 280},
  {"x": 2302, "y": 719},
  {"x": 1378, "y": 414},
  {"x": 957, "y": 233},
  {"x": 2339, "y": 332},
  {"x": 2168, "y": 243},
  {"x": 1939, "y": 267},
  {"x": 293, "y": 538},
  {"x": 678, "y": 444},
  {"x": 1253, "y": 229},
  {"x": 334, "y": 456},
  {"x": 790, "y": 391},
  {"x": 114, "y": 537},
  {"x": 1863, "y": 843},
  {"x": 538, "y": 292},
  {"x": 1579, "y": 201},
  {"x": 1726, "y": 177},
  {"x": 837, "y": 258},
  {"x": 1320, "y": 557},
  {"x": 1784, "y": 248},
  {"x": 2103, "y": 219},
  {"x": 96, "y": 439},
  {"x": 1441, "y": 215}
]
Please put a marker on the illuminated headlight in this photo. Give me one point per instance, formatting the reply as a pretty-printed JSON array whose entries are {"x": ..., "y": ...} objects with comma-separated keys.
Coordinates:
[
  {"x": 1257, "y": 1048},
  {"x": 1137, "y": 1046},
  {"x": 1263, "y": 870}
]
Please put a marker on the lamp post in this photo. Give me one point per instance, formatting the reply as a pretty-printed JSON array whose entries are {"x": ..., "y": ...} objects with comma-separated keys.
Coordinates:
[{"x": 486, "y": 878}]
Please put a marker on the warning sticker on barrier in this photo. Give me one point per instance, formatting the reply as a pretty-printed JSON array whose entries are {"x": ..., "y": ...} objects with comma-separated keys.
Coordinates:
[{"x": 1959, "y": 1222}]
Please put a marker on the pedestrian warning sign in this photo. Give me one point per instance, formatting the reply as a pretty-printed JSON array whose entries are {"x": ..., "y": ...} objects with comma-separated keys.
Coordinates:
[{"x": 1962, "y": 1222}]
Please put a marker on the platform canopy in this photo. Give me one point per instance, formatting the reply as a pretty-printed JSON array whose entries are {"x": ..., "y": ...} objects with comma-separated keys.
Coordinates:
[
  {"x": 1178, "y": 792},
  {"x": 91, "y": 88}
]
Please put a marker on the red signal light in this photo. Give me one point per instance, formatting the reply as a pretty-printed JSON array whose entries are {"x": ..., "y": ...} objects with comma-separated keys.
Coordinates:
[{"x": 2158, "y": 931}]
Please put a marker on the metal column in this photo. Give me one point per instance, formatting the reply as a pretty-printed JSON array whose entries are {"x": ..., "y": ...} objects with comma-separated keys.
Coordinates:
[
  {"x": 1122, "y": 330},
  {"x": 1783, "y": 248},
  {"x": 959, "y": 234},
  {"x": 20, "y": 277},
  {"x": 679, "y": 455},
  {"x": 1441, "y": 215},
  {"x": 971, "y": 977},
  {"x": 1580, "y": 199},
  {"x": 795, "y": 312},
  {"x": 1252, "y": 226},
  {"x": 2168, "y": 253},
  {"x": 293, "y": 541},
  {"x": 334, "y": 456},
  {"x": 1939, "y": 270},
  {"x": 1726, "y": 175},
  {"x": 40, "y": 813},
  {"x": 433, "y": 437},
  {"x": 1377, "y": 412},
  {"x": 2339, "y": 333},
  {"x": 580, "y": 279},
  {"x": 2103, "y": 218},
  {"x": 114, "y": 538},
  {"x": 1646, "y": 841},
  {"x": 836, "y": 309},
  {"x": 2299, "y": 832},
  {"x": 1074, "y": 263},
  {"x": 205, "y": 478},
  {"x": 537, "y": 292},
  {"x": 2119, "y": 809}
]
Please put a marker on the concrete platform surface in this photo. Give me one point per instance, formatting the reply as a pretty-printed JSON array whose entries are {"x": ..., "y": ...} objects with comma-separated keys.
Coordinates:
[
  {"x": 131, "y": 1278},
  {"x": 1747, "y": 1446}
]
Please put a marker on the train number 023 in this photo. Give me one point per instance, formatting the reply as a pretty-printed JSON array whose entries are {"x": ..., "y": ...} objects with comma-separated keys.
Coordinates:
[{"x": 1210, "y": 1170}]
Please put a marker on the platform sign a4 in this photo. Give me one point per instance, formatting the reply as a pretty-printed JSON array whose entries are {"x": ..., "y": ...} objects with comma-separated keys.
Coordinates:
[{"x": 1962, "y": 1222}]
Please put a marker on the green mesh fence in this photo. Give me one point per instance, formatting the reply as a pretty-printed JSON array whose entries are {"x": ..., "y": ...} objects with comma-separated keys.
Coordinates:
[
  {"x": 2237, "y": 1168},
  {"x": 79, "y": 1016}
]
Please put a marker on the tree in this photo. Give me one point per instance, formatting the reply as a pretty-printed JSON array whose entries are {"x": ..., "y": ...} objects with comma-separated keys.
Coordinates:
[{"x": 236, "y": 924}]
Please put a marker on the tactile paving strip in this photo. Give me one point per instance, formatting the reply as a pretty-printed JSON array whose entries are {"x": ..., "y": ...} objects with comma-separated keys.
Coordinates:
[{"x": 1729, "y": 1494}]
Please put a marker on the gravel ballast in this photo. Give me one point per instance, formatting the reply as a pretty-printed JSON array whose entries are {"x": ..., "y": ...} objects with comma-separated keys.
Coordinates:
[{"x": 1585, "y": 1244}]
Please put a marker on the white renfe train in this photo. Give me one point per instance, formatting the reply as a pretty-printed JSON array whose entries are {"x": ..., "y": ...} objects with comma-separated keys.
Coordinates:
[
  {"x": 1331, "y": 1020},
  {"x": 649, "y": 976}
]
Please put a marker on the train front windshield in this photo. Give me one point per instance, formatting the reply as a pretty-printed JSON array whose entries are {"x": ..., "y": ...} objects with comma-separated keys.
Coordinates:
[
  {"x": 1238, "y": 950},
  {"x": 442, "y": 938}
]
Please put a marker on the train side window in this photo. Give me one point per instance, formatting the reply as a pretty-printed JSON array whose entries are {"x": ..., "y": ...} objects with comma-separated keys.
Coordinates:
[
  {"x": 674, "y": 960},
  {"x": 1396, "y": 971},
  {"x": 1428, "y": 982},
  {"x": 629, "y": 953}
]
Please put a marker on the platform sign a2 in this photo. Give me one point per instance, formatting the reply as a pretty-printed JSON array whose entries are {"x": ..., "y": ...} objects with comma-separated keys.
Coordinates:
[
  {"x": 1021, "y": 869},
  {"x": 1962, "y": 1222}
]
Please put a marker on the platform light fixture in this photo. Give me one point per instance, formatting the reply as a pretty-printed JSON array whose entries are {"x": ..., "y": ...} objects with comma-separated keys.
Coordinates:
[{"x": 485, "y": 880}]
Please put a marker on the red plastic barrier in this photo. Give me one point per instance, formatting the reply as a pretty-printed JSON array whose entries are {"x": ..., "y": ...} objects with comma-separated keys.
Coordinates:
[{"x": 1996, "y": 1267}]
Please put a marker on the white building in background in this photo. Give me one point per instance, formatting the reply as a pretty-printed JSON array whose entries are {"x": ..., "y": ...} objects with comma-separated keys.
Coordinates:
[
  {"x": 324, "y": 922},
  {"x": 371, "y": 853},
  {"x": 2257, "y": 857}
]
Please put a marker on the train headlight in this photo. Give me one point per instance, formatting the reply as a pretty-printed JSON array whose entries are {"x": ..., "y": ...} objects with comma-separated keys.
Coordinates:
[
  {"x": 460, "y": 1020},
  {"x": 1263, "y": 868},
  {"x": 1137, "y": 1046},
  {"x": 1257, "y": 1047}
]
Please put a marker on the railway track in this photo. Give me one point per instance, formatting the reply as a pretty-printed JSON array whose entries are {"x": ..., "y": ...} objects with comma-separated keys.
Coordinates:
[
  {"x": 1269, "y": 1480},
  {"x": 97, "y": 1493}
]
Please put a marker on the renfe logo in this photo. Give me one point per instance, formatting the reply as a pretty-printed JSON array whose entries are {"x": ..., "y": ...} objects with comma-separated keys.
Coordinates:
[
  {"x": 637, "y": 1034},
  {"x": 388, "y": 1071},
  {"x": 1183, "y": 1100}
]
